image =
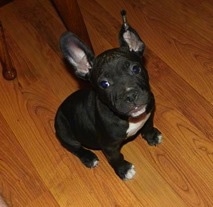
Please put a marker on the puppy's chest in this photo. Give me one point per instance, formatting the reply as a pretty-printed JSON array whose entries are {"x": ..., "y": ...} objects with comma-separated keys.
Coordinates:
[{"x": 136, "y": 124}]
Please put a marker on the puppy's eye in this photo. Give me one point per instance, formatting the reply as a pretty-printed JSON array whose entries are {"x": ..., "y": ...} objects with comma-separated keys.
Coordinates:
[
  {"x": 136, "y": 69},
  {"x": 104, "y": 84}
]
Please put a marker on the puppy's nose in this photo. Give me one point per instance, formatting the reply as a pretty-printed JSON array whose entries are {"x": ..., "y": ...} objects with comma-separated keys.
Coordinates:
[{"x": 131, "y": 96}]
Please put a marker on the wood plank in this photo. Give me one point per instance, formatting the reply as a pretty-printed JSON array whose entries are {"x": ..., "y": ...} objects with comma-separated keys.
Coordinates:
[{"x": 19, "y": 183}]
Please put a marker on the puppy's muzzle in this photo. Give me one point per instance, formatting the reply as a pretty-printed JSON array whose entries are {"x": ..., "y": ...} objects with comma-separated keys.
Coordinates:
[{"x": 131, "y": 96}]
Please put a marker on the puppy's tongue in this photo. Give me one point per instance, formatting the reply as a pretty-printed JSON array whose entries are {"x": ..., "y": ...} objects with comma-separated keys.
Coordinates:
[{"x": 138, "y": 111}]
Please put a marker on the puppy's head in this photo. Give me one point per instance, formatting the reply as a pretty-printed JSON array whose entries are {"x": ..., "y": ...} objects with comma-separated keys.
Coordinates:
[{"x": 118, "y": 75}]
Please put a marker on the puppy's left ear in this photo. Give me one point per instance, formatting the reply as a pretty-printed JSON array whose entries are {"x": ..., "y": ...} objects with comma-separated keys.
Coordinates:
[{"x": 128, "y": 37}]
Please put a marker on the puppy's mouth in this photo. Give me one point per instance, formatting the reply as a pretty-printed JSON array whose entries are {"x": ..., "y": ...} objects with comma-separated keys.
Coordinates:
[{"x": 137, "y": 111}]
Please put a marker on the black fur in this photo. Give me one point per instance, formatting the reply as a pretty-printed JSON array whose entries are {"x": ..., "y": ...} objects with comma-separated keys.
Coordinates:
[{"x": 100, "y": 118}]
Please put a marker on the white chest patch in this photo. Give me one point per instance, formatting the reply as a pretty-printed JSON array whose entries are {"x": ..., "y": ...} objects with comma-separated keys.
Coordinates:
[{"x": 136, "y": 124}]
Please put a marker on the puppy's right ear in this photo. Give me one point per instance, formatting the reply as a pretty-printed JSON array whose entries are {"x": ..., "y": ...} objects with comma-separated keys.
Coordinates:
[
  {"x": 129, "y": 37},
  {"x": 77, "y": 54}
]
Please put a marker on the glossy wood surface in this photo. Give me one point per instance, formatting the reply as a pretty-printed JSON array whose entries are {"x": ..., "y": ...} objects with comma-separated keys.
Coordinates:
[{"x": 35, "y": 171}]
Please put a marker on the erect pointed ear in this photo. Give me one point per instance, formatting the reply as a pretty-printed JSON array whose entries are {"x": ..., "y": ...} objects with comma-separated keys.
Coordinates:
[
  {"x": 77, "y": 54},
  {"x": 128, "y": 37}
]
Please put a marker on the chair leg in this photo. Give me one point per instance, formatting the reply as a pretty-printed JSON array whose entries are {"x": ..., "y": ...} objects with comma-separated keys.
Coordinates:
[
  {"x": 9, "y": 72},
  {"x": 71, "y": 16}
]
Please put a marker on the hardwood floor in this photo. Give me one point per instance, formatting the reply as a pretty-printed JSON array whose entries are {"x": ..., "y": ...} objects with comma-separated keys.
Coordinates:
[{"x": 35, "y": 171}]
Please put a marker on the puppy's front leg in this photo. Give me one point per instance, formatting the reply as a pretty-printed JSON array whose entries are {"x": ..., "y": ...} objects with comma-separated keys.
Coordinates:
[
  {"x": 123, "y": 168},
  {"x": 151, "y": 134}
]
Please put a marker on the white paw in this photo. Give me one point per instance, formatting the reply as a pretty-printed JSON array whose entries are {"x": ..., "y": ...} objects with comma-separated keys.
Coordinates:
[
  {"x": 160, "y": 138},
  {"x": 95, "y": 163},
  {"x": 130, "y": 173}
]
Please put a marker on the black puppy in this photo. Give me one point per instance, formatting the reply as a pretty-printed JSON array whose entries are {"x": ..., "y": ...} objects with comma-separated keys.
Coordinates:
[{"x": 119, "y": 106}]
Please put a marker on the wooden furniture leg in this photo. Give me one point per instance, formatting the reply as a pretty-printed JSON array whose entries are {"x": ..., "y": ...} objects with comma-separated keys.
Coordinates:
[
  {"x": 9, "y": 72},
  {"x": 71, "y": 16}
]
